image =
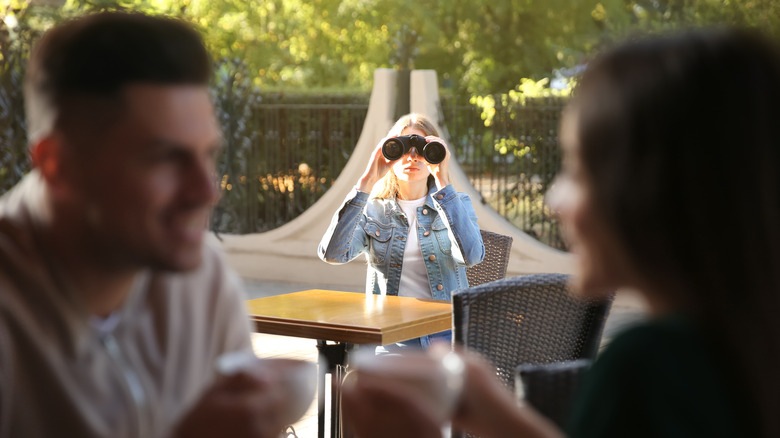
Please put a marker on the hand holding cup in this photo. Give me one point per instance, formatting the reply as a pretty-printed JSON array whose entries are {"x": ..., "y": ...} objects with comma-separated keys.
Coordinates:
[
  {"x": 295, "y": 378},
  {"x": 422, "y": 388}
]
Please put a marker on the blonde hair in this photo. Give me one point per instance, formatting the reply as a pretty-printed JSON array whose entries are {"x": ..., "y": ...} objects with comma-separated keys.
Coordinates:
[{"x": 387, "y": 187}]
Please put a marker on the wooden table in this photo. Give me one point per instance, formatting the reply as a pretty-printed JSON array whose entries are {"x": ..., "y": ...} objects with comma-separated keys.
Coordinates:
[{"x": 346, "y": 318}]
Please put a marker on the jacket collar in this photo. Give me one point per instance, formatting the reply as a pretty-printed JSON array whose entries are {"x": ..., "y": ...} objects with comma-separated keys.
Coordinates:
[{"x": 395, "y": 209}]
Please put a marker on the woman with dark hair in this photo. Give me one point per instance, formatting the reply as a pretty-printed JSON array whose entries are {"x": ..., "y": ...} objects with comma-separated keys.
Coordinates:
[
  {"x": 418, "y": 232},
  {"x": 670, "y": 187}
]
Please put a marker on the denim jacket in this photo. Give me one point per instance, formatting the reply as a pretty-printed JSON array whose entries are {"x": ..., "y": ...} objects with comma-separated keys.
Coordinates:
[{"x": 447, "y": 231}]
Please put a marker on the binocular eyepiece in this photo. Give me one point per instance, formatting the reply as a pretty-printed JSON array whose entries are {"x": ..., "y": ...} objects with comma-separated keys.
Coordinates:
[{"x": 396, "y": 147}]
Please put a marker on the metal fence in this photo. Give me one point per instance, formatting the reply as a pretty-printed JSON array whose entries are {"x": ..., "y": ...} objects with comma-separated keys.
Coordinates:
[
  {"x": 282, "y": 152},
  {"x": 513, "y": 161},
  {"x": 285, "y": 156}
]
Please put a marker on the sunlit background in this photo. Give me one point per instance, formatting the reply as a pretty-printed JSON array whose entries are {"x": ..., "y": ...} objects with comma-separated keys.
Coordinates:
[{"x": 293, "y": 76}]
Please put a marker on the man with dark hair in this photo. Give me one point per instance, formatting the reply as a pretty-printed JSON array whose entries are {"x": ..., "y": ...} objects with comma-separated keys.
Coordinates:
[{"x": 114, "y": 307}]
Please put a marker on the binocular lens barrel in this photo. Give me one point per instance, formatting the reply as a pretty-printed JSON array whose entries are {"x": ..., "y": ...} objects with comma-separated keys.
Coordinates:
[
  {"x": 395, "y": 148},
  {"x": 434, "y": 152}
]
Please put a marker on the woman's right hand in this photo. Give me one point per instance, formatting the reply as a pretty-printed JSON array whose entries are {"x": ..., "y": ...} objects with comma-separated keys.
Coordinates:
[
  {"x": 487, "y": 408},
  {"x": 378, "y": 166},
  {"x": 373, "y": 407}
]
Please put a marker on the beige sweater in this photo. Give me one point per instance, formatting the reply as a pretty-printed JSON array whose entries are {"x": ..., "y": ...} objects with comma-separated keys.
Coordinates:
[{"x": 61, "y": 376}]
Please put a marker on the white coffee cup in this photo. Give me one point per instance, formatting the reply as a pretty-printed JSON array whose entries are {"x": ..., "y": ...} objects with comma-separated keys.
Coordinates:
[
  {"x": 436, "y": 378},
  {"x": 297, "y": 377}
]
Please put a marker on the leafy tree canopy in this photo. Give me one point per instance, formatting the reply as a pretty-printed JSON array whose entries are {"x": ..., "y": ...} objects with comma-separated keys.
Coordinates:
[{"x": 478, "y": 46}]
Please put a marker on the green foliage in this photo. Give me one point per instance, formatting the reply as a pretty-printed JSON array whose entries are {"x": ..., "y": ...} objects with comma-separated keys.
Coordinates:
[
  {"x": 493, "y": 44},
  {"x": 521, "y": 127},
  {"x": 235, "y": 101},
  {"x": 528, "y": 89},
  {"x": 477, "y": 46},
  {"x": 480, "y": 49},
  {"x": 296, "y": 43},
  {"x": 657, "y": 16},
  {"x": 514, "y": 107},
  {"x": 16, "y": 35},
  {"x": 281, "y": 152}
]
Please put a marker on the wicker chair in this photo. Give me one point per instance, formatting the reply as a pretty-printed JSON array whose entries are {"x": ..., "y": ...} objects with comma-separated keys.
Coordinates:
[
  {"x": 550, "y": 387},
  {"x": 493, "y": 266},
  {"x": 527, "y": 319}
]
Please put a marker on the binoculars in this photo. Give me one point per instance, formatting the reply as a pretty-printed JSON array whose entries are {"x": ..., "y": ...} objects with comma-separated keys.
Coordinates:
[{"x": 395, "y": 148}]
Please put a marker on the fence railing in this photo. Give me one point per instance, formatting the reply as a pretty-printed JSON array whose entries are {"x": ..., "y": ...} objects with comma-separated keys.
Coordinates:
[
  {"x": 293, "y": 157},
  {"x": 282, "y": 153},
  {"x": 513, "y": 161},
  {"x": 285, "y": 156}
]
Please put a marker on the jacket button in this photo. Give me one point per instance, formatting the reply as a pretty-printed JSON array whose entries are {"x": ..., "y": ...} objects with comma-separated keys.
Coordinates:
[
  {"x": 439, "y": 287},
  {"x": 377, "y": 233},
  {"x": 432, "y": 257},
  {"x": 426, "y": 233},
  {"x": 439, "y": 196},
  {"x": 425, "y": 211}
]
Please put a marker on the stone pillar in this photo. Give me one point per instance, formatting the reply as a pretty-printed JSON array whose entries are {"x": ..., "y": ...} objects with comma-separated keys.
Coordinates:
[{"x": 403, "y": 93}]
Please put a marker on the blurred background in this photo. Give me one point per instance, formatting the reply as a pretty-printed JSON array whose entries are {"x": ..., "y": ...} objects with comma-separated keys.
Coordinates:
[{"x": 293, "y": 79}]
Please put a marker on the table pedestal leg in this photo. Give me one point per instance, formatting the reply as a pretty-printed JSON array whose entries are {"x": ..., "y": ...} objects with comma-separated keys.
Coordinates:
[{"x": 332, "y": 359}]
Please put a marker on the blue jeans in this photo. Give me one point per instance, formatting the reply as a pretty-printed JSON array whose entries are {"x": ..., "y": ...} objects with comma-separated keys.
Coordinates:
[{"x": 415, "y": 344}]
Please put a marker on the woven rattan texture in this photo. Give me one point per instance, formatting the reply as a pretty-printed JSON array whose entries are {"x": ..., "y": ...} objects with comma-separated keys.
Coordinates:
[
  {"x": 493, "y": 266},
  {"x": 550, "y": 388},
  {"x": 527, "y": 319}
]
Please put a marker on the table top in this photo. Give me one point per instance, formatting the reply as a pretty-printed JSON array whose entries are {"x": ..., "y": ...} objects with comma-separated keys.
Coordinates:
[{"x": 349, "y": 316}]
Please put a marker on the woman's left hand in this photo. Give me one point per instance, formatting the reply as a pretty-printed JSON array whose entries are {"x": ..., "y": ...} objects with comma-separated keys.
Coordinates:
[{"x": 440, "y": 171}]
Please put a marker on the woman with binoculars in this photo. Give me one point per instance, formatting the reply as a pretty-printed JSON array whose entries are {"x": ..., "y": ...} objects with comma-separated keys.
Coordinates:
[{"x": 419, "y": 234}]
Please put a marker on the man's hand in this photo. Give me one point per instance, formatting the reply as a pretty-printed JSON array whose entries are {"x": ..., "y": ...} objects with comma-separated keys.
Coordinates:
[{"x": 241, "y": 405}]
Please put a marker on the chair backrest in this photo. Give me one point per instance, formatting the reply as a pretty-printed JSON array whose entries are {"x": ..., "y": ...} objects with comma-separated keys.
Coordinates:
[
  {"x": 527, "y": 319},
  {"x": 493, "y": 266},
  {"x": 550, "y": 388}
]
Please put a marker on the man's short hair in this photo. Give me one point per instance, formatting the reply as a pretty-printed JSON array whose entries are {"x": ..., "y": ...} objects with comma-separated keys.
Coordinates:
[{"x": 96, "y": 56}]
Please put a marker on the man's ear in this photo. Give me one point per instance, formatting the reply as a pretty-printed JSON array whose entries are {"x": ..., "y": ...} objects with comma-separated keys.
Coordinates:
[
  {"x": 46, "y": 156},
  {"x": 49, "y": 156}
]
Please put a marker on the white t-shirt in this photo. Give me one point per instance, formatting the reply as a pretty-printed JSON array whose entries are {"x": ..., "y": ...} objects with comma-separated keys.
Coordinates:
[{"x": 414, "y": 276}]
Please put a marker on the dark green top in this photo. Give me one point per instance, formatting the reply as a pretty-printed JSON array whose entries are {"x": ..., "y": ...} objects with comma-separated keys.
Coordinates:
[{"x": 661, "y": 379}]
